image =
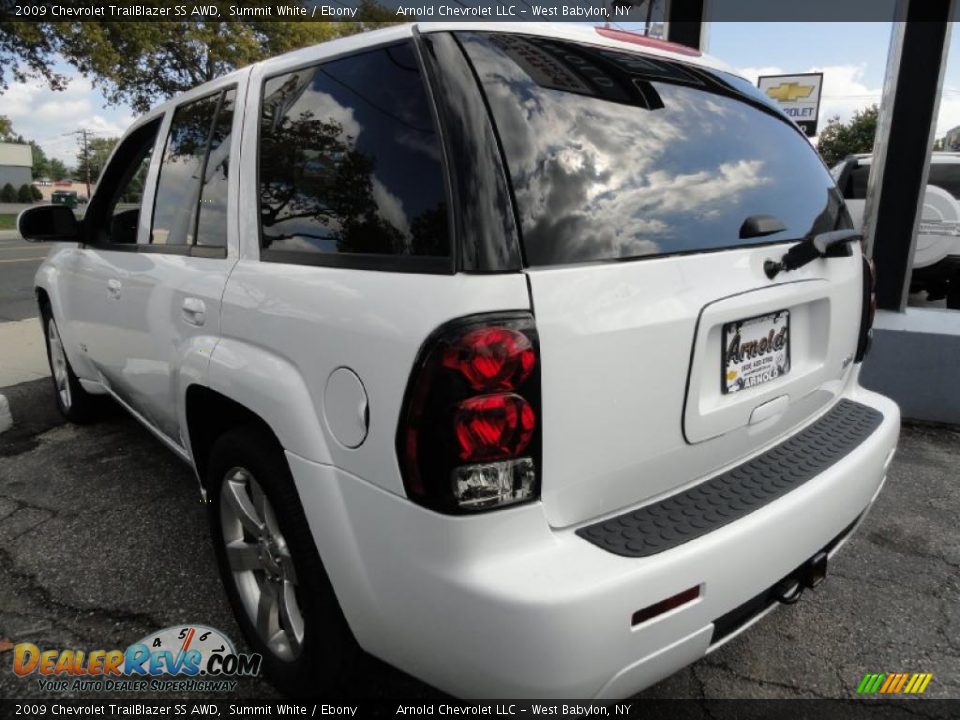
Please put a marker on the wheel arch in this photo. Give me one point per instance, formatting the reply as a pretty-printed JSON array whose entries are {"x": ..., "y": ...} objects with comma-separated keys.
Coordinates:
[{"x": 208, "y": 415}]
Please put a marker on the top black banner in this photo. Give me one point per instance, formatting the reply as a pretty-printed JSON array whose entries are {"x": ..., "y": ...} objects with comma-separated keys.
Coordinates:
[{"x": 383, "y": 11}]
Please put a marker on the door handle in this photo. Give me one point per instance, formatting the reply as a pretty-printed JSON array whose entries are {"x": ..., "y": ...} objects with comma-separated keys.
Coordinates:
[
  {"x": 113, "y": 289},
  {"x": 194, "y": 311}
]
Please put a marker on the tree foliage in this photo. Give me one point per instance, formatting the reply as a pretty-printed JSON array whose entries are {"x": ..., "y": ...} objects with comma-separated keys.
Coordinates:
[
  {"x": 141, "y": 63},
  {"x": 837, "y": 139},
  {"x": 57, "y": 170},
  {"x": 95, "y": 156},
  {"x": 41, "y": 165}
]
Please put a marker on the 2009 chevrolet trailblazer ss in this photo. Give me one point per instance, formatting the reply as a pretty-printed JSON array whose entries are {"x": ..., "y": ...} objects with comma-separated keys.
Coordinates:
[{"x": 524, "y": 358}]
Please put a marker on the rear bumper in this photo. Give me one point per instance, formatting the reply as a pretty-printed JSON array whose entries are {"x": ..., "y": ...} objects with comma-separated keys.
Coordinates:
[{"x": 504, "y": 606}]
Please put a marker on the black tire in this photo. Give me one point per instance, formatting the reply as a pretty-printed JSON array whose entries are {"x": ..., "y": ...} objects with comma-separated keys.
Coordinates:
[
  {"x": 953, "y": 292},
  {"x": 329, "y": 654},
  {"x": 75, "y": 403}
]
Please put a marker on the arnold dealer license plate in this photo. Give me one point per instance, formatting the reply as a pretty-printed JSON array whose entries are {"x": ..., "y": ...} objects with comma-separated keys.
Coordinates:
[{"x": 755, "y": 351}]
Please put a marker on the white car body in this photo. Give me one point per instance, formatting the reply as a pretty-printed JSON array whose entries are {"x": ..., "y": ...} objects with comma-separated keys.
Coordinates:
[
  {"x": 511, "y": 602},
  {"x": 939, "y": 233}
]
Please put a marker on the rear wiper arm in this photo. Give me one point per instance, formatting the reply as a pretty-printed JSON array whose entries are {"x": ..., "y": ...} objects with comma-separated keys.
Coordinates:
[{"x": 835, "y": 243}]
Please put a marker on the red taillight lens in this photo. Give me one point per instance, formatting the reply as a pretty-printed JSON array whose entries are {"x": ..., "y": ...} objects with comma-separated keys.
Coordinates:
[
  {"x": 493, "y": 358},
  {"x": 493, "y": 427},
  {"x": 469, "y": 436}
]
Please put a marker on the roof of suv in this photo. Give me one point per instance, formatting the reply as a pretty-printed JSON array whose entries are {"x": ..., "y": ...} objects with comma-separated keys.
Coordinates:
[
  {"x": 594, "y": 35},
  {"x": 608, "y": 37}
]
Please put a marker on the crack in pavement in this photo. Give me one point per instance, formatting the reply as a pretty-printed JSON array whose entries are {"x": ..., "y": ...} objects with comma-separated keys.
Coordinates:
[
  {"x": 724, "y": 666},
  {"x": 35, "y": 587},
  {"x": 880, "y": 540}
]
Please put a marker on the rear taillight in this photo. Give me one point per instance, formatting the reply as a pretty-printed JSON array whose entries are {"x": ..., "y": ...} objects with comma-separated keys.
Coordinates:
[
  {"x": 469, "y": 434},
  {"x": 868, "y": 308}
]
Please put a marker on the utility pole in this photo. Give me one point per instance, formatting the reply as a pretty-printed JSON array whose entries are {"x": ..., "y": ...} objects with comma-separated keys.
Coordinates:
[{"x": 84, "y": 134}]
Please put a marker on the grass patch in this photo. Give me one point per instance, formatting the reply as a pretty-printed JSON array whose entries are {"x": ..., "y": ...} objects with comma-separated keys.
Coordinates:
[{"x": 8, "y": 221}]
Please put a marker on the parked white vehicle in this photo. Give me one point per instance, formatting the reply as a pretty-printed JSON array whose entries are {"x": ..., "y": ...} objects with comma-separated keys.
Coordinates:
[
  {"x": 936, "y": 258},
  {"x": 524, "y": 357}
]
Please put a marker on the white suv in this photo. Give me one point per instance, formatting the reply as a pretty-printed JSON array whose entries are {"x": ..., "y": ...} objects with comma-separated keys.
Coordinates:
[
  {"x": 524, "y": 357},
  {"x": 936, "y": 257}
]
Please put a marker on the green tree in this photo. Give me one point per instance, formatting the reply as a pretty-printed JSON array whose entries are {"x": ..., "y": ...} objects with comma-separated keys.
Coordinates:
[
  {"x": 140, "y": 63},
  {"x": 97, "y": 152},
  {"x": 58, "y": 171},
  {"x": 41, "y": 165},
  {"x": 8, "y": 194},
  {"x": 27, "y": 50},
  {"x": 35, "y": 193},
  {"x": 24, "y": 195},
  {"x": 837, "y": 139}
]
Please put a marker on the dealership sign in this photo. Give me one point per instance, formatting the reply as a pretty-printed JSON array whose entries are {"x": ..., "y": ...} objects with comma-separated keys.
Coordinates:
[{"x": 797, "y": 95}]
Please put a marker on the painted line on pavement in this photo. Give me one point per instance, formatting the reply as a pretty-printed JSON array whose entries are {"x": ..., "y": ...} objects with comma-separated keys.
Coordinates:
[{"x": 17, "y": 260}]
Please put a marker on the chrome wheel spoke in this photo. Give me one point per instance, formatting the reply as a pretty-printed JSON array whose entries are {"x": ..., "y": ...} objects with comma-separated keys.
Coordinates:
[
  {"x": 243, "y": 556},
  {"x": 259, "y": 500},
  {"x": 58, "y": 363},
  {"x": 290, "y": 618},
  {"x": 267, "y": 611},
  {"x": 239, "y": 502},
  {"x": 286, "y": 564},
  {"x": 260, "y": 563}
]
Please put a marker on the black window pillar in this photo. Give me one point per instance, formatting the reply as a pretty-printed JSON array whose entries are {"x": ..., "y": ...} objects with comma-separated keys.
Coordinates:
[{"x": 905, "y": 132}]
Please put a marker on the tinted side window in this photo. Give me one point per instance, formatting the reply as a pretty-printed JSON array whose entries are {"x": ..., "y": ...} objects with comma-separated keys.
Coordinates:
[
  {"x": 114, "y": 212},
  {"x": 946, "y": 176},
  {"x": 212, "y": 226},
  {"x": 179, "y": 184},
  {"x": 350, "y": 161},
  {"x": 191, "y": 202},
  {"x": 857, "y": 183}
]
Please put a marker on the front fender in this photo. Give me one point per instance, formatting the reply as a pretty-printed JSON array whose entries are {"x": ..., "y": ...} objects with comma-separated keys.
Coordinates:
[{"x": 49, "y": 278}]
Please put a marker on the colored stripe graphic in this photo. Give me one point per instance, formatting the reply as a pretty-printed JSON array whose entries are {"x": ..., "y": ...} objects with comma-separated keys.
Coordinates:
[{"x": 894, "y": 683}]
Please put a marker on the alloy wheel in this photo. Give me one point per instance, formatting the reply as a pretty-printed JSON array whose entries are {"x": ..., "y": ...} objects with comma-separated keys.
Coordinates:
[{"x": 261, "y": 564}]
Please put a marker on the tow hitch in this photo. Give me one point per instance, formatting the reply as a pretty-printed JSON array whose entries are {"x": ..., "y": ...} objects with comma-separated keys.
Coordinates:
[{"x": 806, "y": 577}]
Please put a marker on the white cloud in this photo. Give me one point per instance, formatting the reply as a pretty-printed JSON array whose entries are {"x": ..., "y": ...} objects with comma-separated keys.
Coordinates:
[
  {"x": 844, "y": 92},
  {"x": 47, "y": 117}
]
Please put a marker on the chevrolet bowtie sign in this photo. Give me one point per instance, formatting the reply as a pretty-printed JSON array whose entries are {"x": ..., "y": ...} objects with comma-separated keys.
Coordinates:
[{"x": 797, "y": 95}]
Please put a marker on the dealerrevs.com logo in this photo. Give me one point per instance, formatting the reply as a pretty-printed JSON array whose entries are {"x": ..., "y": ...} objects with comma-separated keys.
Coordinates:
[{"x": 200, "y": 658}]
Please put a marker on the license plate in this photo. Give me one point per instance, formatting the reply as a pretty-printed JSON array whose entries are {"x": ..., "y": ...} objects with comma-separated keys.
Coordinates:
[{"x": 755, "y": 351}]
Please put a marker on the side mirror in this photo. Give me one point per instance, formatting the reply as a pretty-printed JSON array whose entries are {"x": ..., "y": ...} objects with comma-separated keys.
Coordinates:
[{"x": 48, "y": 223}]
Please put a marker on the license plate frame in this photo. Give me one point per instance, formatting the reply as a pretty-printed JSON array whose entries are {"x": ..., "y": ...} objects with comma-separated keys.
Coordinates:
[{"x": 761, "y": 353}]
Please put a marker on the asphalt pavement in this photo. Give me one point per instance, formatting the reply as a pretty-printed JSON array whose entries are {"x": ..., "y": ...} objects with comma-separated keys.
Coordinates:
[
  {"x": 103, "y": 539},
  {"x": 19, "y": 261}
]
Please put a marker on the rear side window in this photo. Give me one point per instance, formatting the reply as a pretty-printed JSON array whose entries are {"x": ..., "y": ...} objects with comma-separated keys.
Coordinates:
[
  {"x": 350, "y": 163},
  {"x": 617, "y": 155},
  {"x": 856, "y": 188},
  {"x": 190, "y": 204},
  {"x": 946, "y": 176}
]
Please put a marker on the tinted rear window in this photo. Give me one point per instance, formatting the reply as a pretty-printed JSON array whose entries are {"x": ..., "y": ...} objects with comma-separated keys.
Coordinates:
[{"x": 615, "y": 155}]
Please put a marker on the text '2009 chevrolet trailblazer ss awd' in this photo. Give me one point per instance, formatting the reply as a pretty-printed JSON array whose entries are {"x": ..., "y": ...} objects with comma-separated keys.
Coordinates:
[{"x": 524, "y": 358}]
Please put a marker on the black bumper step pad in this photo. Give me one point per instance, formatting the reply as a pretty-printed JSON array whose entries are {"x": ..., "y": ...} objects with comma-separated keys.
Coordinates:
[{"x": 739, "y": 491}]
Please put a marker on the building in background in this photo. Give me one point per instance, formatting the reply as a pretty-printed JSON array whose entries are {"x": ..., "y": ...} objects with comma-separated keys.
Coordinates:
[
  {"x": 951, "y": 141},
  {"x": 16, "y": 163}
]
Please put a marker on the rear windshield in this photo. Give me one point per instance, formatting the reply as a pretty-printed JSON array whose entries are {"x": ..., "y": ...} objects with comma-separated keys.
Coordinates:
[{"x": 614, "y": 155}]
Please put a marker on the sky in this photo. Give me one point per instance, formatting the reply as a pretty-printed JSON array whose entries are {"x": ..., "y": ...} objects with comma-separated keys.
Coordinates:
[{"x": 852, "y": 57}]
